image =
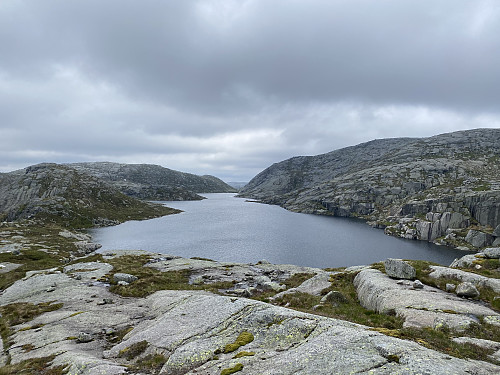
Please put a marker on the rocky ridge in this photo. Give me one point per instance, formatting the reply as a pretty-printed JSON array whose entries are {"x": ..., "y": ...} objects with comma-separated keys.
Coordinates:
[
  {"x": 153, "y": 182},
  {"x": 444, "y": 189},
  {"x": 60, "y": 194}
]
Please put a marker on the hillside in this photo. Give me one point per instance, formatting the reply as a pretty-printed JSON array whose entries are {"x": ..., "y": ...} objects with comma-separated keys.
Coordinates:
[
  {"x": 444, "y": 188},
  {"x": 62, "y": 195},
  {"x": 153, "y": 182}
]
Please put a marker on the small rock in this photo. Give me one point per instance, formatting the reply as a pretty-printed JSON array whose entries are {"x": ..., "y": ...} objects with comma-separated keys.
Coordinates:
[
  {"x": 108, "y": 331},
  {"x": 334, "y": 297},
  {"x": 263, "y": 261},
  {"x": 399, "y": 269},
  {"x": 242, "y": 292},
  {"x": 478, "y": 267},
  {"x": 106, "y": 301},
  {"x": 467, "y": 290},
  {"x": 124, "y": 277},
  {"x": 123, "y": 283},
  {"x": 450, "y": 287},
  {"x": 51, "y": 289},
  {"x": 84, "y": 337},
  {"x": 417, "y": 284}
]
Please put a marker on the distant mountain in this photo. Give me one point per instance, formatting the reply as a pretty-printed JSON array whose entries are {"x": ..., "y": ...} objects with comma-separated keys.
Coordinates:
[
  {"x": 237, "y": 184},
  {"x": 153, "y": 182},
  {"x": 444, "y": 188},
  {"x": 62, "y": 195}
]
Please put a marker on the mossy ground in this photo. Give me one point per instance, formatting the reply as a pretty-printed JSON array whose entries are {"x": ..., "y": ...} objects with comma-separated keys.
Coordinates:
[
  {"x": 22, "y": 312},
  {"x": 151, "y": 280},
  {"x": 39, "y": 366}
]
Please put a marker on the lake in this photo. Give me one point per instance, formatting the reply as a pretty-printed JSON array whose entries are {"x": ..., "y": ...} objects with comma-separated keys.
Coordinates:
[{"x": 226, "y": 228}]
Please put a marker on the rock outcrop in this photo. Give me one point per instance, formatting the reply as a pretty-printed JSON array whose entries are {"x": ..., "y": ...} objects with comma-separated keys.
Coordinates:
[
  {"x": 426, "y": 307},
  {"x": 94, "y": 331},
  {"x": 432, "y": 189},
  {"x": 154, "y": 182}
]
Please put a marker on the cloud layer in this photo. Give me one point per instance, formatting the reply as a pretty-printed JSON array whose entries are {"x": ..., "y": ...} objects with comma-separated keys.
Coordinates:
[{"x": 230, "y": 87}]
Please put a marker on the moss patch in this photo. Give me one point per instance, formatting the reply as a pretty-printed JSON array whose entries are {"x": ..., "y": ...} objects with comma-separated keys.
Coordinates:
[
  {"x": 244, "y": 354},
  {"x": 244, "y": 338},
  {"x": 232, "y": 370}
]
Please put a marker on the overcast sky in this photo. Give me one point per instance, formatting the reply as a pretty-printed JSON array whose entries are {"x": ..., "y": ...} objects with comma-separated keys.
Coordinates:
[{"x": 229, "y": 87}]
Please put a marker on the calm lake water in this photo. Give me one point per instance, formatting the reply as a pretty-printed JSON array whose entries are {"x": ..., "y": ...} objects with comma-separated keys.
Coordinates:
[{"x": 226, "y": 228}]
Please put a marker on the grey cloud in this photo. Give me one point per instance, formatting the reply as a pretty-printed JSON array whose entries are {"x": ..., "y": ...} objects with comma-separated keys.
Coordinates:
[{"x": 229, "y": 87}]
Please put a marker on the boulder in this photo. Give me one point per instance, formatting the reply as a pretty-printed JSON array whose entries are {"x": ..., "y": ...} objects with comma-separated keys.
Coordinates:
[
  {"x": 496, "y": 232},
  {"x": 463, "y": 276},
  {"x": 417, "y": 284},
  {"x": 84, "y": 337},
  {"x": 478, "y": 239},
  {"x": 450, "y": 287},
  {"x": 465, "y": 261},
  {"x": 128, "y": 278},
  {"x": 399, "y": 269},
  {"x": 467, "y": 290},
  {"x": 492, "y": 252}
]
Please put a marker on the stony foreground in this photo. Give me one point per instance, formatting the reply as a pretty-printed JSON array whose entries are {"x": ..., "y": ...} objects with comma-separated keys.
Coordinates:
[{"x": 96, "y": 331}]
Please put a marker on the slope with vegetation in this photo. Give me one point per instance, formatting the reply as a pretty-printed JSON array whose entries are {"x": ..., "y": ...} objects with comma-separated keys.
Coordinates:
[{"x": 61, "y": 195}]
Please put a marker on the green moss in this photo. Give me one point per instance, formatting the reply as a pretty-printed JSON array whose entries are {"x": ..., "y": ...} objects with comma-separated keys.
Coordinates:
[
  {"x": 232, "y": 370},
  {"x": 244, "y": 354},
  {"x": 243, "y": 339},
  {"x": 134, "y": 350}
]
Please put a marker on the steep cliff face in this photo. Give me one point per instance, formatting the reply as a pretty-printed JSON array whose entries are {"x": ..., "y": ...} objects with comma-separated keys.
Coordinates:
[
  {"x": 436, "y": 188},
  {"x": 153, "y": 182},
  {"x": 62, "y": 195}
]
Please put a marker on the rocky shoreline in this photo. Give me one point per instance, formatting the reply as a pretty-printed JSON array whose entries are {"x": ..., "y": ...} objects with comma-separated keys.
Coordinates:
[
  {"x": 443, "y": 189},
  {"x": 145, "y": 313}
]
